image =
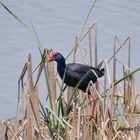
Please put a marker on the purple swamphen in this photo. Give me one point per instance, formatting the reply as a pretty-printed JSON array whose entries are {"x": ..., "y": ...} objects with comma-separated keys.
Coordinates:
[{"x": 74, "y": 72}]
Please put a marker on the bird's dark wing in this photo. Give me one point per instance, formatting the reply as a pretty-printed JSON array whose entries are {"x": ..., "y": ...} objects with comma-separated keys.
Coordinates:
[
  {"x": 74, "y": 73},
  {"x": 80, "y": 68},
  {"x": 77, "y": 71},
  {"x": 77, "y": 68}
]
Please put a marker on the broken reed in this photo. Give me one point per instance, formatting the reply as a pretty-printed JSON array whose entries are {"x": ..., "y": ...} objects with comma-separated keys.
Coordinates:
[{"x": 63, "y": 119}]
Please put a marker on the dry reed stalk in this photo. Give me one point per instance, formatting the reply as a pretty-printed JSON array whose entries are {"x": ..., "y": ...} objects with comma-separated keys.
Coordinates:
[
  {"x": 107, "y": 98},
  {"x": 105, "y": 125},
  {"x": 115, "y": 137},
  {"x": 67, "y": 123},
  {"x": 96, "y": 50},
  {"x": 90, "y": 47},
  {"x": 124, "y": 73},
  {"x": 20, "y": 103},
  {"x": 20, "y": 130},
  {"x": 122, "y": 45},
  {"x": 74, "y": 122},
  {"x": 83, "y": 99},
  {"x": 125, "y": 94},
  {"x": 85, "y": 131},
  {"x": 31, "y": 97},
  {"x": 80, "y": 40},
  {"x": 105, "y": 87},
  {"x": 96, "y": 56},
  {"x": 35, "y": 111},
  {"x": 78, "y": 124},
  {"x": 75, "y": 49},
  {"x": 78, "y": 47},
  {"x": 129, "y": 53},
  {"x": 138, "y": 137},
  {"x": 86, "y": 33},
  {"x": 88, "y": 106},
  {"x": 37, "y": 107},
  {"x": 113, "y": 99},
  {"x": 98, "y": 119},
  {"x": 127, "y": 84},
  {"x": 89, "y": 128},
  {"x": 41, "y": 135},
  {"x": 1, "y": 127},
  {"x": 40, "y": 66},
  {"x": 9, "y": 128},
  {"x": 67, "y": 132},
  {"x": 29, "y": 126},
  {"x": 52, "y": 80}
]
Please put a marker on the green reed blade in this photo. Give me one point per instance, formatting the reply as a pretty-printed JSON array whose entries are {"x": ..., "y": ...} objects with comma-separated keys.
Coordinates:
[
  {"x": 86, "y": 19},
  {"x": 57, "y": 118},
  {"x": 15, "y": 16},
  {"x": 60, "y": 106}
]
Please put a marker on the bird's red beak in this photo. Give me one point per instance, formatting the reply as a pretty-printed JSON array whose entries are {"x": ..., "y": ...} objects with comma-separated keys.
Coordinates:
[{"x": 51, "y": 58}]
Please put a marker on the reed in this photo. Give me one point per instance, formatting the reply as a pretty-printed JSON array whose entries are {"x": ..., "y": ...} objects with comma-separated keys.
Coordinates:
[
  {"x": 117, "y": 111},
  {"x": 117, "y": 115}
]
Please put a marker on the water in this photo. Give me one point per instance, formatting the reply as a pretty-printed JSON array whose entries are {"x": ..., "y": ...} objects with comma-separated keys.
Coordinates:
[{"x": 57, "y": 23}]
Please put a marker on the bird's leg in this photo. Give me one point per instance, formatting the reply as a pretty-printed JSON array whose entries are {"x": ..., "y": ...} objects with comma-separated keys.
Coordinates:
[{"x": 94, "y": 102}]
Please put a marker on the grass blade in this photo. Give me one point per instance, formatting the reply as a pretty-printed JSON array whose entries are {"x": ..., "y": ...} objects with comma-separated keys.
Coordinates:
[
  {"x": 60, "y": 106},
  {"x": 15, "y": 16},
  {"x": 87, "y": 18},
  {"x": 57, "y": 118}
]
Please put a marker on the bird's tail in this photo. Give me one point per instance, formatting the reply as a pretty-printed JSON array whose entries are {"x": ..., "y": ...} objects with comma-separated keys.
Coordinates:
[
  {"x": 103, "y": 70},
  {"x": 100, "y": 65}
]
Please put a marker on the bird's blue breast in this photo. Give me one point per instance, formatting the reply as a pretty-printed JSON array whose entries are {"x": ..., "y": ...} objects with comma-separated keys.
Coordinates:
[{"x": 61, "y": 69}]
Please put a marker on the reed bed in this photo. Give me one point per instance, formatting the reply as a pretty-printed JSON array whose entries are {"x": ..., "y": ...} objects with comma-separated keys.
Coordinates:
[{"x": 117, "y": 114}]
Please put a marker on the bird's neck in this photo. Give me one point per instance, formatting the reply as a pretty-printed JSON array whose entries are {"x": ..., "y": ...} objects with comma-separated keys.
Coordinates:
[{"x": 61, "y": 66}]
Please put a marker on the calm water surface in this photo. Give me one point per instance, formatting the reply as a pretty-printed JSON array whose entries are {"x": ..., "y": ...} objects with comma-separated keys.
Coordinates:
[{"x": 57, "y": 22}]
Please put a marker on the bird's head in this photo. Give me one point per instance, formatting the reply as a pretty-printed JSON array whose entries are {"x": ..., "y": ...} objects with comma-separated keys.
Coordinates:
[{"x": 56, "y": 56}]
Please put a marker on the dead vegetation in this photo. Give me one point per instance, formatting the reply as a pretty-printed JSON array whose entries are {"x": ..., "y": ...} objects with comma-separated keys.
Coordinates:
[{"x": 117, "y": 115}]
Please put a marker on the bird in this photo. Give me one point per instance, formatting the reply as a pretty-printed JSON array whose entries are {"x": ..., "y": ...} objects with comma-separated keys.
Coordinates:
[{"x": 73, "y": 72}]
